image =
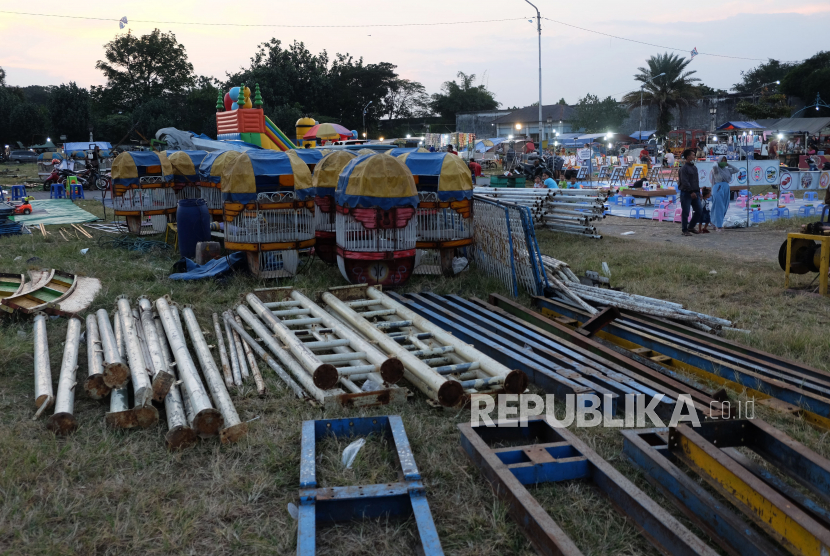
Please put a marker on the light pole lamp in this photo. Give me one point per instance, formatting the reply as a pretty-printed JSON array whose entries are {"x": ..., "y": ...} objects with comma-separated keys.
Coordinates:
[
  {"x": 762, "y": 86},
  {"x": 364, "y": 118},
  {"x": 649, "y": 80},
  {"x": 539, "y": 31}
]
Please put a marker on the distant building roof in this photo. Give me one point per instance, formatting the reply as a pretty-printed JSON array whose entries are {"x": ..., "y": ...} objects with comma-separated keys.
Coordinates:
[
  {"x": 733, "y": 124},
  {"x": 530, "y": 114}
]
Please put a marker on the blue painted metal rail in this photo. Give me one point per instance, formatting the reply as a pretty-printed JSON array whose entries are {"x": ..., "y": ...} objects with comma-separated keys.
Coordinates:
[{"x": 335, "y": 504}]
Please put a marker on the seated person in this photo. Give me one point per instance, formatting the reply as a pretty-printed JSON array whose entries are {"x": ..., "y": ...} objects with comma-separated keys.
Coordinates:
[{"x": 548, "y": 180}]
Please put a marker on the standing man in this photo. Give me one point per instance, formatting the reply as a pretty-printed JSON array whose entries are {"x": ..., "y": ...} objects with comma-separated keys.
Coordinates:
[{"x": 689, "y": 184}]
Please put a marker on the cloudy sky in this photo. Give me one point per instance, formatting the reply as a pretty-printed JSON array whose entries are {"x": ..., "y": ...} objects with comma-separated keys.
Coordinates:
[{"x": 49, "y": 51}]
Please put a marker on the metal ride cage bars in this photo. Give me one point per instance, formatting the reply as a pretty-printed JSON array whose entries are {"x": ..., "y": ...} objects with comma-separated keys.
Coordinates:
[
  {"x": 186, "y": 173},
  {"x": 323, "y": 184},
  {"x": 337, "y": 504},
  {"x": 142, "y": 191}
]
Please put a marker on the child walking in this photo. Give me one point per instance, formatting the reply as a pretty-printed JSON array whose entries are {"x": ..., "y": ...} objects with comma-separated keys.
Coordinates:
[{"x": 705, "y": 218}]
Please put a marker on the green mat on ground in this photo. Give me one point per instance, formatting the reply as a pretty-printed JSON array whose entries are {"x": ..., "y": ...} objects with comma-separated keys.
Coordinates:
[{"x": 54, "y": 211}]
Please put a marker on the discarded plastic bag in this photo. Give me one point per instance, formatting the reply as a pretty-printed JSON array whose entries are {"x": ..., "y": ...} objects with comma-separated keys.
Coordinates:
[
  {"x": 293, "y": 510},
  {"x": 459, "y": 264},
  {"x": 350, "y": 453}
]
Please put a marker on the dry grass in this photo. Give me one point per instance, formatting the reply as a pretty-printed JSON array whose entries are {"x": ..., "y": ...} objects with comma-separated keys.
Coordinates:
[{"x": 102, "y": 492}]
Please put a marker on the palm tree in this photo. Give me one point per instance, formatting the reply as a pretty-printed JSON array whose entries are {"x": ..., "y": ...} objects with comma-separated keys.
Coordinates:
[{"x": 675, "y": 89}]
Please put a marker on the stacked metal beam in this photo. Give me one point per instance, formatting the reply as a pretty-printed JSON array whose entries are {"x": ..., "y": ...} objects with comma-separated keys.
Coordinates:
[{"x": 571, "y": 211}]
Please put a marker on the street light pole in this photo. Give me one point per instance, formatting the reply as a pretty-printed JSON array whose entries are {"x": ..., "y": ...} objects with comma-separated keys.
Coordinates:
[
  {"x": 649, "y": 80},
  {"x": 365, "y": 131},
  {"x": 539, "y": 30}
]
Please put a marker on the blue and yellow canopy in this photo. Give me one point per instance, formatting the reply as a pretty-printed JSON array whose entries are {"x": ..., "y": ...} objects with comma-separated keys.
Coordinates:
[
  {"x": 264, "y": 171},
  {"x": 186, "y": 165},
  {"x": 213, "y": 164},
  {"x": 376, "y": 181},
  {"x": 311, "y": 157},
  {"x": 443, "y": 173},
  {"x": 48, "y": 156},
  {"x": 78, "y": 155},
  {"x": 326, "y": 173},
  {"x": 129, "y": 167}
]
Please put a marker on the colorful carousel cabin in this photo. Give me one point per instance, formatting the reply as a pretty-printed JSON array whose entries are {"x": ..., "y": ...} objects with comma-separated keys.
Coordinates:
[
  {"x": 445, "y": 217},
  {"x": 268, "y": 210},
  {"x": 186, "y": 179},
  {"x": 210, "y": 179},
  {"x": 142, "y": 191},
  {"x": 376, "y": 201},
  {"x": 323, "y": 184}
]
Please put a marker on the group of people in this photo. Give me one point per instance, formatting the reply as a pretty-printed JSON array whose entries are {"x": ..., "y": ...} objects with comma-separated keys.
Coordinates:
[{"x": 708, "y": 206}]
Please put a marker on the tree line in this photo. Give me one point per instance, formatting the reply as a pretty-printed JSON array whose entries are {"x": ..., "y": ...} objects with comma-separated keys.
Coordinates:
[{"x": 150, "y": 84}]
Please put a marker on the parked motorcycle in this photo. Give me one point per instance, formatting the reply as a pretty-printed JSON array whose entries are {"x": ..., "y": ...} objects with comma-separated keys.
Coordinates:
[{"x": 59, "y": 176}]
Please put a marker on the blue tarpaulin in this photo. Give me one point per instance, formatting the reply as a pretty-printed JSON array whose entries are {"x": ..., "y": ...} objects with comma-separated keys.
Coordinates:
[
  {"x": 643, "y": 134},
  {"x": 211, "y": 269},
  {"x": 85, "y": 146},
  {"x": 309, "y": 156},
  {"x": 740, "y": 125}
]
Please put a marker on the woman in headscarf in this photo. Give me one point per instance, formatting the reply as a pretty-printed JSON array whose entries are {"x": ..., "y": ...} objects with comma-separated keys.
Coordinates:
[{"x": 721, "y": 176}]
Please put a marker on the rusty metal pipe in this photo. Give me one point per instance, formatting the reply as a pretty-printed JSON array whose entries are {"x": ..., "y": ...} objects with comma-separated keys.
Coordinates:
[
  {"x": 206, "y": 420},
  {"x": 296, "y": 370},
  {"x": 116, "y": 373},
  {"x": 234, "y": 427},
  {"x": 223, "y": 354},
  {"x": 234, "y": 356},
  {"x": 252, "y": 364},
  {"x": 44, "y": 395},
  {"x": 270, "y": 361},
  {"x": 142, "y": 389},
  {"x": 94, "y": 385},
  {"x": 63, "y": 421}
]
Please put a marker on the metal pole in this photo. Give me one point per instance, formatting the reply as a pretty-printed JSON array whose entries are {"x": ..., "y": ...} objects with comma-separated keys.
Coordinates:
[
  {"x": 270, "y": 361},
  {"x": 206, "y": 420},
  {"x": 234, "y": 428},
  {"x": 116, "y": 373},
  {"x": 260, "y": 384},
  {"x": 44, "y": 395},
  {"x": 63, "y": 422},
  {"x": 223, "y": 354},
  {"x": 142, "y": 389},
  {"x": 640, "y": 126},
  {"x": 298, "y": 372},
  {"x": 237, "y": 376},
  {"x": 94, "y": 385}
]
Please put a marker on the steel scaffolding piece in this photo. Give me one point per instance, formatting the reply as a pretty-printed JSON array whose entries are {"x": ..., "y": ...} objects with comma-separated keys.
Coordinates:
[
  {"x": 444, "y": 368},
  {"x": 332, "y": 362},
  {"x": 319, "y": 506}
]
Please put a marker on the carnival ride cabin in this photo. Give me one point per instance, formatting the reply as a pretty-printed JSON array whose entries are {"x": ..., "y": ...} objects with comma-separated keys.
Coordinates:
[
  {"x": 142, "y": 191},
  {"x": 186, "y": 179},
  {"x": 210, "y": 179},
  {"x": 268, "y": 210},
  {"x": 445, "y": 209},
  {"x": 375, "y": 222},
  {"x": 323, "y": 184}
]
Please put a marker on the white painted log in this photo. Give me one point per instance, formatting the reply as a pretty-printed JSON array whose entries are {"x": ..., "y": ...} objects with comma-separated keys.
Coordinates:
[
  {"x": 63, "y": 421},
  {"x": 44, "y": 395}
]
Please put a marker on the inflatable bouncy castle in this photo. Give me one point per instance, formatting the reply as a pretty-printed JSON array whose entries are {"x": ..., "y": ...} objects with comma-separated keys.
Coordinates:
[
  {"x": 375, "y": 222},
  {"x": 445, "y": 217},
  {"x": 244, "y": 120},
  {"x": 268, "y": 211}
]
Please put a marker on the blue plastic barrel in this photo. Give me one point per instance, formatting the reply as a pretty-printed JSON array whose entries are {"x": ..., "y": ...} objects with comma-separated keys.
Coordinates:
[{"x": 193, "y": 223}]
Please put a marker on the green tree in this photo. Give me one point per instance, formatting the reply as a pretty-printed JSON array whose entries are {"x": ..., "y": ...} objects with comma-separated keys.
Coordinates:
[
  {"x": 142, "y": 68},
  {"x": 808, "y": 79},
  {"x": 200, "y": 106},
  {"x": 596, "y": 116},
  {"x": 462, "y": 96},
  {"x": 675, "y": 89},
  {"x": 768, "y": 106},
  {"x": 765, "y": 74},
  {"x": 406, "y": 99},
  {"x": 562, "y": 101},
  {"x": 28, "y": 123},
  {"x": 69, "y": 109}
]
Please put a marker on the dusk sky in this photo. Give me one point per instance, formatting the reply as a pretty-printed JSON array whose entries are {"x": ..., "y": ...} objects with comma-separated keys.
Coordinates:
[{"x": 50, "y": 51}]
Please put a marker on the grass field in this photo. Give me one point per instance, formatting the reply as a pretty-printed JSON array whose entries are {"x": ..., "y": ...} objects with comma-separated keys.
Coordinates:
[{"x": 104, "y": 492}]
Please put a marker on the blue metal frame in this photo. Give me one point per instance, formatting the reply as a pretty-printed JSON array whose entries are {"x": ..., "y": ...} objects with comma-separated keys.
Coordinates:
[{"x": 333, "y": 504}]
